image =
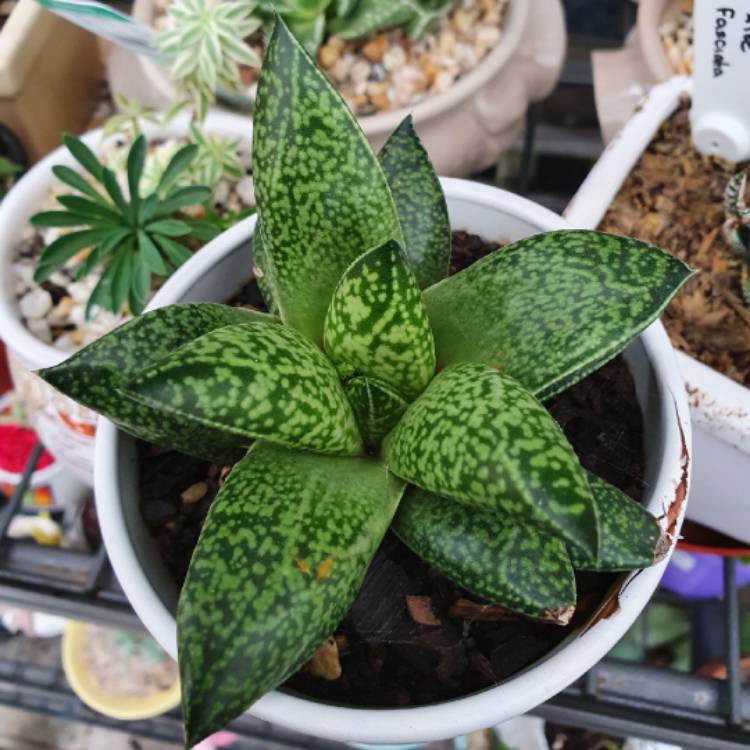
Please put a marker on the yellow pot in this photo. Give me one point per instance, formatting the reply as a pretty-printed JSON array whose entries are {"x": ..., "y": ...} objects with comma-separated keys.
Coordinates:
[{"x": 87, "y": 689}]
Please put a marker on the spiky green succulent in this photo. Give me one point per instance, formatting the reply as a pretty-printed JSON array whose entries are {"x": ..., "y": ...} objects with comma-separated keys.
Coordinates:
[
  {"x": 206, "y": 45},
  {"x": 381, "y": 393},
  {"x": 737, "y": 225},
  {"x": 130, "y": 237}
]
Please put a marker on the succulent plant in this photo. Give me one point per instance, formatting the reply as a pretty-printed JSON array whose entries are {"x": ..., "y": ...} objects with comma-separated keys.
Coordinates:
[
  {"x": 382, "y": 394},
  {"x": 206, "y": 46},
  {"x": 131, "y": 238},
  {"x": 737, "y": 225}
]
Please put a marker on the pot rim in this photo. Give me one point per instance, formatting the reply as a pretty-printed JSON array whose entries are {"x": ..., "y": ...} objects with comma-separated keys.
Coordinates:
[
  {"x": 515, "y": 696},
  {"x": 647, "y": 21},
  {"x": 22, "y": 200},
  {"x": 514, "y": 25}
]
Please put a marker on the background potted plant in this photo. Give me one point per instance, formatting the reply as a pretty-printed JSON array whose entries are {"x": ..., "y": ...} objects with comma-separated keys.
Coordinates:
[
  {"x": 652, "y": 183},
  {"x": 665, "y": 30},
  {"x": 363, "y": 414},
  {"x": 467, "y": 85},
  {"x": 47, "y": 315}
]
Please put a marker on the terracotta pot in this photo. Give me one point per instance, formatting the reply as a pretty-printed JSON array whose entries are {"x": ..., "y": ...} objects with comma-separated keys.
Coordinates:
[
  {"x": 66, "y": 428},
  {"x": 464, "y": 129},
  {"x": 720, "y": 407},
  {"x": 214, "y": 274}
]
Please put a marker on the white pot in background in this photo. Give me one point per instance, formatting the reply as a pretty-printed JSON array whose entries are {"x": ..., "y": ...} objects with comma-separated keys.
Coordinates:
[
  {"x": 65, "y": 428},
  {"x": 720, "y": 407},
  {"x": 464, "y": 129},
  {"x": 650, "y": 13},
  {"x": 215, "y": 274}
]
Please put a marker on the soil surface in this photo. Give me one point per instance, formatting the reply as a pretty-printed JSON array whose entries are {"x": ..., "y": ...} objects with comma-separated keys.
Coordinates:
[
  {"x": 412, "y": 636},
  {"x": 673, "y": 198}
]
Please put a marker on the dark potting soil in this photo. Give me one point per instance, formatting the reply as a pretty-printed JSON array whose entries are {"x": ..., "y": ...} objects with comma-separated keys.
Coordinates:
[{"x": 412, "y": 636}]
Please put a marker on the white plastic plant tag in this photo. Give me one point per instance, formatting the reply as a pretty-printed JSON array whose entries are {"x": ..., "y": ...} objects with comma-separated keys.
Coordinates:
[
  {"x": 100, "y": 19},
  {"x": 720, "y": 116}
]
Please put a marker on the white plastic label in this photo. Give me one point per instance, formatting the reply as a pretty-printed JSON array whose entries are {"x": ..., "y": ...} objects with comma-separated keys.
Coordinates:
[
  {"x": 105, "y": 22},
  {"x": 720, "y": 115}
]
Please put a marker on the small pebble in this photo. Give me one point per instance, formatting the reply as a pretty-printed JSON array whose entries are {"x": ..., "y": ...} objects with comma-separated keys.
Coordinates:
[
  {"x": 35, "y": 304},
  {"x": 39, "y": 328},
  {"x": 246, "y": 190},
  {"x": 194, "y": 493},
  {"x": 61, "y": 311}
]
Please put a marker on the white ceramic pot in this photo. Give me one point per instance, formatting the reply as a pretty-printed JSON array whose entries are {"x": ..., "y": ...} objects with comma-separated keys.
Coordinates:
[
  {"x": 65, "y": 428},
  {"x": 650, "y": 13},
  {"x": 464, "y": 129},
  {"x": 720, "y": 407},
  {"x": 214, "y": 274}
]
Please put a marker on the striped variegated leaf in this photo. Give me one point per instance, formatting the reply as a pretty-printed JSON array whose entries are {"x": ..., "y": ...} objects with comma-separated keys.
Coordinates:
[
  {"x": 629, "y": 536},
  {"x": 376, "y": 407},
  {"x": 377, "y": 324},
  {"x": 254, "y": 381},
  {"x": 321, "y": 192},
  {"x": 494, "y": 555},
  {"x": 420, "y": 203},
  {"x": 96, "y": 375},
  {"x": 551, "y": 308},
  {"x": 477, "y": 436},
  {"x": 281, "y": 556}
]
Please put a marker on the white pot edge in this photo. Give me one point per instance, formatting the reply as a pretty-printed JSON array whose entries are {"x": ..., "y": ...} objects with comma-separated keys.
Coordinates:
[
  {"x": 451, "y": 718},
  {"x": 719, "y": 405},
  {"x": 24, "y": 199}
]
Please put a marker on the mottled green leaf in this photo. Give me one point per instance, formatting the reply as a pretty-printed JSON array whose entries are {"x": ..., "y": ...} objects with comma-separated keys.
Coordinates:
[
  {"x": 95, "y": 376},
  {"x": 280, "y": 559},
  {"x": 476, "y": 435},
  {"x": 262, "y": 269},
  {"x": 493, "y": 555},
  {"x": 421, "y": 206},
  {"x": 552, "y": 308},
  {"x": 377, "y": 324},
  {"x": 254, "y": 381},
  {"x": 322, "y": 195},
  {"x": 629, "y": 536},
  {"x": 377, "y": 408}
]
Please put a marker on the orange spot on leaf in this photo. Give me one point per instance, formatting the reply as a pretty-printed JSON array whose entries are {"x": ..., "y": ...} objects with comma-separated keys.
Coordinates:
[
  {"x": 324, "y": 568},
  {"x": 302, "y": 565}
]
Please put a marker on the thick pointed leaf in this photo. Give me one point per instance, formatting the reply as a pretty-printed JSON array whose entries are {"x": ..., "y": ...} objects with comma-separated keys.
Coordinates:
[
  {"x": 377, "y": 324},
  {"x": 493, "y": 555},
  {"x": 280, "y": 559},
  {"x": 321, "y": 192},
  {"x": 551, "y": 308},
  {"x": 421, "y": 206},
  {"x": 262, "y": 269},
  {"x": 629, "y": 536},
  {"x": 95, "y": 376},
  {"x": 377, "y": 408},
  {"x": 476, "y": 435},
  {"x": 254, "y": 381}
]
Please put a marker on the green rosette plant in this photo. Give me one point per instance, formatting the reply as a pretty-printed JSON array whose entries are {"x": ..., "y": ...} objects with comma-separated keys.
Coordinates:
[
  {"x": 381, "y": 393},
  {"x": 737, "y": 225}
]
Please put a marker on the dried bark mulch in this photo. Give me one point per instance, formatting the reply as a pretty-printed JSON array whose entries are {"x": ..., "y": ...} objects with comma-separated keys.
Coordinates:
[
  {"x": 412, "y": 636},
  {"x": 673, "y": 198}
]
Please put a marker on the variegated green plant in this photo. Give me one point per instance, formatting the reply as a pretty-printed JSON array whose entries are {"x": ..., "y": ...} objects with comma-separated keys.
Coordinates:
[
  {"x": 380, "y": 394},
  {"x": 737, "y": 225}
]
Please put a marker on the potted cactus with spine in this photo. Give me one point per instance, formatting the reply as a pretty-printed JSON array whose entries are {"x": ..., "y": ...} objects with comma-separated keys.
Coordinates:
[{"x": 379, "y": 393}]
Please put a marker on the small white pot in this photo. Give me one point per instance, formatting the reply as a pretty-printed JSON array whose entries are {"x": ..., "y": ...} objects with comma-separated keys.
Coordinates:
[
  {"x": 65, "y": 428},
  {"x": 214, "y": 274},
  {"x": 720, "y": 407},
  {"x": 464, "y": 129},
  {"x": 650, "y": 13}
]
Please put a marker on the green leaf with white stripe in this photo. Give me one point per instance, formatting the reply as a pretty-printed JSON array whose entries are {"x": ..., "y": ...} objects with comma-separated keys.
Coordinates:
[
  {"x": 552, "y": 308},
  {"x": 322, "y": 195},
  {"x": 493, "y": 555},
  {"x": 377, "y": 324},
  {"x": 254, "y": 381},
  {"x": 629, "y": 536},
  {"x": 377, "y": 408},
  {"x": 477, "y": 436},
  {"x": 279, "y": 561},
  {"x": 420, "y": 203},
  {"x": 96, "y": 375}
]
